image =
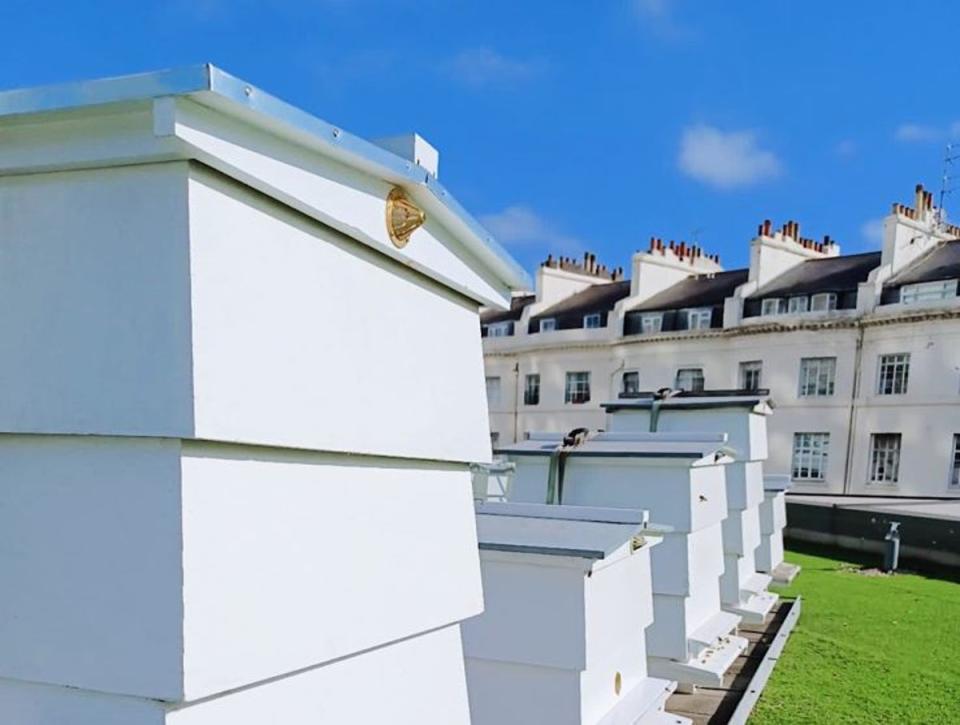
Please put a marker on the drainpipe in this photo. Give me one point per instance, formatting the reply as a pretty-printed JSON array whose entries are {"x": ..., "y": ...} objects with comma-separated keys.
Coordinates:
[
  {"x": 516, "y": 401},
  {"x": 852, "y": 416}
]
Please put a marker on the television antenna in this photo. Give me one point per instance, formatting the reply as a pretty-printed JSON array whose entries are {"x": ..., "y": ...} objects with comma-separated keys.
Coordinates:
[{"x": 950, "y": 156}]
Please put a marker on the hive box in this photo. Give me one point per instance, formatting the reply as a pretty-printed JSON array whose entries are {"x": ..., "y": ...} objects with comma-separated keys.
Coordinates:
[
  {"x": 681, "y": 483},
  {"x": 199, "y": 472},
  {"x": 567, "y": 593},
  {"x": 773, "y": 520},
  {"x": 742, "y": 416}
]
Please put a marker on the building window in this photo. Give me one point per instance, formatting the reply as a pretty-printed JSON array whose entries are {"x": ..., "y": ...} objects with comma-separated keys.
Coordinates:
[
  {"x": 884, "y": 457},
  {"x": 699, "y": 318},
  {"x": 797, "y": 304},
  {"x": 577, "y": 389},
  {"x": 892, "y": 374},
  {"x": 817, "y": 376},
  {"x": 531, "y": 389},
  {"x": 810, "y": 451},
  {"x": 689, "y": 379},
  {"x": 493, "y": 390},
  {"x": 772, "y": 306},
  {"x": 651, "y": 323},
  {"x": 927, "y": 291},
  {"x": 591, "y": 321},
  {"x": 750, "y": 375},
  {"x": 955, "y": 469},
  {"x": 630, "y": 384},
  {"x": 823, "y": 302},
  {"x": 548, "y": 324},
  {"x": 499, "y": 329}
]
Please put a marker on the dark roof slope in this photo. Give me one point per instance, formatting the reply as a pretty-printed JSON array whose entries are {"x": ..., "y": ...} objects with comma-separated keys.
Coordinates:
[
  {"x": 943, "y": 262},
  {"x": 512, "y": 315},
  {"x": 704, "y": 290},
  {"x": 595, "y": 298},
  {"x": 832, "y": 274}
]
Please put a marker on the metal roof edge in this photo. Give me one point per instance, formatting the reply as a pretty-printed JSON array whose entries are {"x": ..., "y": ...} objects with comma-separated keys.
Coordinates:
[{"x": 197, "y": 81}]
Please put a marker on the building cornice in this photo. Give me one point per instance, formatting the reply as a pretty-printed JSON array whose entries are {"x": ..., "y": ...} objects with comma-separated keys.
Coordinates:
[{"x": 848, "y": 323}]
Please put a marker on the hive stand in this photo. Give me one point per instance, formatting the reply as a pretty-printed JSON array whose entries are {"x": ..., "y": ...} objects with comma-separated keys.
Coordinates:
[
  {"x": 567, "y": 594},
  {"x": 691, "y": 640},
  {"x": 208, "y": 514},
  {"x": 743, "y": 418}
]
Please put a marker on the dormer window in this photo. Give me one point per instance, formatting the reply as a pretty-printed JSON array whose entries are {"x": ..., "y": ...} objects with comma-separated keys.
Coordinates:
[
  {"x": 500, "y": 329},
  {"x": 548, "y": 324},
  {"x": 699, "y": 318},
  {"x": 772, "y": 306},
  {"x": 650, "y": 324},
  {"x": 823, "y": 302},
  {"x": 592, "y": 320},
  {"x": 796, "y": 305},
  {"x": 928, "y": 291}
]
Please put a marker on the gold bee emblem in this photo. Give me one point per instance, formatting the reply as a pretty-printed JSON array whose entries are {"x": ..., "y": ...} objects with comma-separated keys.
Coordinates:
[{"x": 403, "y": 217}]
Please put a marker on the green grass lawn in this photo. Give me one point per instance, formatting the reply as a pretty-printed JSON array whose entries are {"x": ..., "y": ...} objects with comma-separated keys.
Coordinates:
[{"x": 867, "y": 649}]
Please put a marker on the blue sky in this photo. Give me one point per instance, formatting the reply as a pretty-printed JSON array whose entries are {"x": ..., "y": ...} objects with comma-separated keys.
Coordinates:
[{"x": 573, "y": 125}]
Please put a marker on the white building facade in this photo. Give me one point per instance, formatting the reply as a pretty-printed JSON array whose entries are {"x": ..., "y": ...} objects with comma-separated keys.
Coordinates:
[{"x": 860, "y": 353}]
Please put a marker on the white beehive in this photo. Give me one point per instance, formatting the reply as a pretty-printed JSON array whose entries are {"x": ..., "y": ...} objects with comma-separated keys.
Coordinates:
[
  {"x": 680, "y": 480},
  {"x": 742, "y": 416},
  {"x": 222, "y": 447},
  {"x": 567, "y": 594},
  {"x": 773, "y": 520}
]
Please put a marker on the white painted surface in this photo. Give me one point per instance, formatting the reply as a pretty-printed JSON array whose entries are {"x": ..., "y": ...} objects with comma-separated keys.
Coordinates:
[
  {"x": 419, "y": 681},
  {"x": 278, "y": 298},
  {"x": 557, "y": 629},
  {"x": 95, "y": 302},
  {"x": 308, "y": 549},
  {"x": 331, "y": 192},
  {"x": 91, "y": 563},
  {"x": 182, "y": 573}
]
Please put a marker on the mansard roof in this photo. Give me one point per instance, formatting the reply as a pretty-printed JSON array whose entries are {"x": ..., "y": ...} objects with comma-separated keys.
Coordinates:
[
  {"x": 517, "y": 305},
  {"x": 705, "y": 290},
  {"x": 595, "y": 298},
  {"x": 831, "y": 274},
  {"x": 942, "y": 262}
]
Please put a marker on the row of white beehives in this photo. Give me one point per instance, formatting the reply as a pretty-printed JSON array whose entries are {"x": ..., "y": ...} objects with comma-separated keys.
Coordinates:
[{"x": 699, "y": 476}]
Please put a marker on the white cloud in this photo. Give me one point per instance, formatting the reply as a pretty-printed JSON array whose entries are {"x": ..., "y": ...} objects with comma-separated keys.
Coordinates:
[
  {"x": 872, "y": 231},
  {"x": 480, "y": 67},
  {"x": 659, "y": 16},
  {"x": 917, "y": 132},
  {"x": 846, "y": 148},
  {"x": 518, "y": 225},
  {"x": 725, "y": 159}
]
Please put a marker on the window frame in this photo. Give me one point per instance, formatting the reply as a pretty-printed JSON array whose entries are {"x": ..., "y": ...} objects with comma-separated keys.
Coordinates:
[
  {"x": 651, "y": 317},
  {"x": 528, "y": 378},
  {"x": 894, "y": 454},
  {"x": 498, "y": 329},
  {"x": 779, "y": 301},
  {"x": 548, "y": 324},
  {"x": 488, "y": 379},
  {"x": 576, "y": 391},
  {"x": 693, "y": 388},
  {"x": 624, "y": 393},
  {"x": 748, "y": 367},
  {"x": 804, "y": 377},
  {"x": 898, "y": 377},
  {"x": 700, "y": 314},
  {"x": 831, "y": 298},
  {"x": 593, "y": 316},
  {"x": 801, "y": 308},
  {"x": 935, "y": 290},
  {"x": 815, "y": 447}
]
